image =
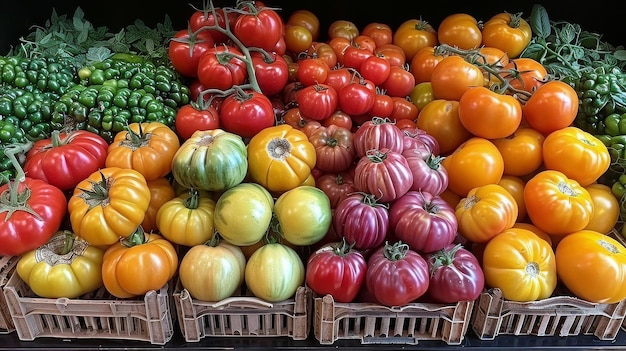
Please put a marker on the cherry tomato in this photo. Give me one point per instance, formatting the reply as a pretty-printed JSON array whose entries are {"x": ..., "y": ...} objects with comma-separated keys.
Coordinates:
[
  {"x": 393, "y": 53},
  {"x": 400, "y": 82}
]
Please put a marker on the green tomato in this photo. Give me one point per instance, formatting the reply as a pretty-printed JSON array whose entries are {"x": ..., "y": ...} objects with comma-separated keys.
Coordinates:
[
  {"x": 243, "y": 214},
  {"x": 303, "y": 215},
  {"x": 274, "y": 272}
]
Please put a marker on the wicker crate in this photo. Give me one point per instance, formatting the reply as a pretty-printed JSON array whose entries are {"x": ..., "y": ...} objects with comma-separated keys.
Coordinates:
[
  {"x": 558, "y": 315},
  {"x": 376, "y": 324},
  {"x": 7, "y": 266},
  {"x": 94, "y": 315},
  {"x": 243, "y": 316}
]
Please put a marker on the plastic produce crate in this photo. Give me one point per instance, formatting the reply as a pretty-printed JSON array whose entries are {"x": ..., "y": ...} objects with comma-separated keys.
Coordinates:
[
  {"x": 377, "y": 324},
  {"x": 559, "y": 315},
  {"x": 243, "y": 316},
  {"x": 94, "y": 315},
  {"x": 7, "y": 266}
]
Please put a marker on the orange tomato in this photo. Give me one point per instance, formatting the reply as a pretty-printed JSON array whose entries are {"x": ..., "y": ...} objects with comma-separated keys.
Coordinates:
[
  {"x": 440, "y": 118},
  {"x": 460, "y": 30},
  {"x": 488, "y": 114},
  {"x": 161, "y": 191},
  {"x": 393, "y": 53},
  {"x": 508, "y": 32},
  {"x": 557, "y": 204},
  {"x": 605, "y": 208},
  {"x": 495, "y": 58},
  {"x": 521, "y": 265},
  {"x": 556, "y": 99},
  {"x": 533, "y": 228},
  {"x": 474, "y": 163},
  {"x": 339, "y": 45},
  {"x": 485, "y": 212},
  {"x": 576, "y": 153},
  {"x": 453, "y": 76},
  {"x": 522, "y": 151},
  {"x": 423, "y": 63},
  {"x": 306, "y": 19},
  {"x": 524, "y": 73},
  {"x": 515, "y": 187},
  {"x": 413, "y": 35}
]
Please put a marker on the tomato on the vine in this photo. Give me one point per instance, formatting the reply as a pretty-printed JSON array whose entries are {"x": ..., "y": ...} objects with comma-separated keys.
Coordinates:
[
  {"x": 258, "y": 27},
  {"x": 271, "y": 72},
  {"x": 453, "y": 76},
  {"x": 246, "y": 113},
  {"x": 220, "y": 67},
  {"x": 190, "y": 118},
  {"x": 186, "y": 48}
]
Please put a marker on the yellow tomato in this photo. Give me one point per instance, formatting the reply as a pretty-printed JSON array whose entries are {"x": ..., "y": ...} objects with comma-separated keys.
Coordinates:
[{"x": 605, "y": 208}]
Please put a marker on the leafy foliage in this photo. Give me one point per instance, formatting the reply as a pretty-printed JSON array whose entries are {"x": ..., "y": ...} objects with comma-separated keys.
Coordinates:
[{"x": 75, "y": 37}]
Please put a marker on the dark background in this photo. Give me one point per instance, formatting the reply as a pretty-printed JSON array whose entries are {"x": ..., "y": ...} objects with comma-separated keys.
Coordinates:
[{"x": 17, "y": 16}]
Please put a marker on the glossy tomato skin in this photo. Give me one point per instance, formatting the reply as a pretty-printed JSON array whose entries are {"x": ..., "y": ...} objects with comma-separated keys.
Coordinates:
[
  {"x": 521, "y": 265},
  {"x": 189, "y": 119},
  {"x": 423, "y": 221},
  {"x": 303, "y": 214},
  {"x": 271, "y": 72},
  {"x": 557, "y": 204},
  {"x": 508, "y": 32},
  {"x": 460, "y": 30},
  {"x": 522, "y": 151},
  {"x": 381, "y": 33},
  {"x": 65, "y": 159},
  {"x": 378, "y": 133},
  {"x": 356, "y": 98},
  {"x": 246, "y": 113},
  {"x": 209, "y": 20},
  {"x": 21, "y": 231},
  {"x": 591, "y": 265},
  {"x": 383, "y": 173},
  {"x": 306, "y": 19},
  {"x": 413, "y": 35},
  {"x": 186, "y": 48},
  {"x": 556, "y": 99},
  {"x": 337, "y": 186},
  {"x": 440, "y": 118},
  {"x": 396, "y": 275},
  {"x": 455, "y": 275},
  {"x": 274, "y": 272},
  {"x": 428, "y": 173},
  {"x": 605, "y": 208},
  {"x": 453, "y": 76},
  {"x": 400, "y": 82},
  {"x": 362, "y": 220},
  {"x": 334, "y": 147},
  {"x": 336, "y": 269},
  {"x": 317, "y": 101},
  {"x": 488, "y": 114},
  {"x": 474, "y": 163},
  {"x": 261, "y": 28},
  {"x": 219, "y": 69}
]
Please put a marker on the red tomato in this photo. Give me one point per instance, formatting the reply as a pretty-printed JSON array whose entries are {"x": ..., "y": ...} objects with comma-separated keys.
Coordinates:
[
  {"x": 455, "y": 275},
  {"x": 219, "y": 69},
  {"x": 339, "y": 78},
  {"x": 317, "y": 101},
  {"x": 380, "y": 33},
  {"x": 190, "y": 119},
  {"x": 271, "y": 72},
  {"x": 336, "y": 269},
  {"x": 337, "y": 186},
  {"x": 376, "y": 69},
  {"x": 206, "y": 21},
  {"x": 400, "y": 82},
  {"x": 334, "y": 147},
  {"x": 324, "y": 52},
  {"x": 392, "y": 53},
  {"x": 185, "y": 49},
  {"x": 383, "y": 173},
  {"x": 403, "y": 108},
  {"x": 422, "y": 220},
  {"x": 396, "y": 275},
  {"x": 354, "y": 56},
  {"x": 261, "y": 28},
  {"x": 340, "y": 119},
  {"x": 65, "y": 159},
  {"x": 383, "y": 106},
  {"x": 246, "y": 113},
  {"x": 356, "y": 98},
  {"x": 362, "y": 220}
]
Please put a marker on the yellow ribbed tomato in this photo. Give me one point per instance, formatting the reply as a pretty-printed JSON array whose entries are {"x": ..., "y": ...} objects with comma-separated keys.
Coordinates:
[
  {"x": 187, "y": 219},
  {"x": 280, "y": 158},
  {"x": 521, "y": 264},
  {"x": 606, "y": 208},
  {"x": 485, "y": 212},
  {"x": 109, "y": 204}
]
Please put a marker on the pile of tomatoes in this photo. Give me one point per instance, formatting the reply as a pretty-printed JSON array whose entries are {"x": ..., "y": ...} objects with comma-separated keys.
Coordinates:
[{"x": 376, "y": 164}]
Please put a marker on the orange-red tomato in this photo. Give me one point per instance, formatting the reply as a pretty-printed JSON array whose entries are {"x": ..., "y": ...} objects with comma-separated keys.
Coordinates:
[
  {"x": 488, "y": 114},
  {"x": 557, "y": 204},
  {"x": 606, "y": 208},
  {"x": 508, "y": 32},
  {"x": 524, "y": 73},
  {"x": 323, "y": 51},
  {"x": 555, "y": 99},
  {"x": 522, "y": 151},
  {"x": 393, "y": 53},
  {"x": 515, "y": 187},
  {"x": 381, "y": 33},
  {"x": 485, "y": 212},
  {"x": 460, "y": 30},
  {"x": 474, "y": 163},
  {"x": 161, "y": 191},
  {"x": 403, "y": 109},
  {"x": 453, "y": 76},
  {"x": 576, "y": 153},
  {"x": 440, "y": 118},
  {"x": 423, "y": 63},
  {"x": 413, "y": 35}
]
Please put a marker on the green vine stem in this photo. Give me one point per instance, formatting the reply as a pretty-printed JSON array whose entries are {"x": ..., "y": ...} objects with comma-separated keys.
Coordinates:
[
  {"x": 12, "y": 199},
  {"x": 395, "y": 251}
]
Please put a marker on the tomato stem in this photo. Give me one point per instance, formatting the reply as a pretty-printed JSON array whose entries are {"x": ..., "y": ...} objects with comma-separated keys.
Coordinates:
[{"x": 13, "y": 200}]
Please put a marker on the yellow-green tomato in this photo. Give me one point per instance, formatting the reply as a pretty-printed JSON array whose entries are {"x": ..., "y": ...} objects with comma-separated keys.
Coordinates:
[
  {"x": 422, "y": 94},
  {"x": 65, "y": 266},
  {"x": 274, "y": 272},
  {"x": 304, "y": 215},
  {"x": 187, "y": 219},
  {"x": 243, "y": 214},
  {"x": 212, "y": 271}
]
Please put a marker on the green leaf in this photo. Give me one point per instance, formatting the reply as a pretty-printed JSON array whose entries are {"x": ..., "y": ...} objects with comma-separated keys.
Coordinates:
[
  {"x": 620, "y": 55},
  {"x": 539, "y": 21},
  {"x": 97, "y": 54}
]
